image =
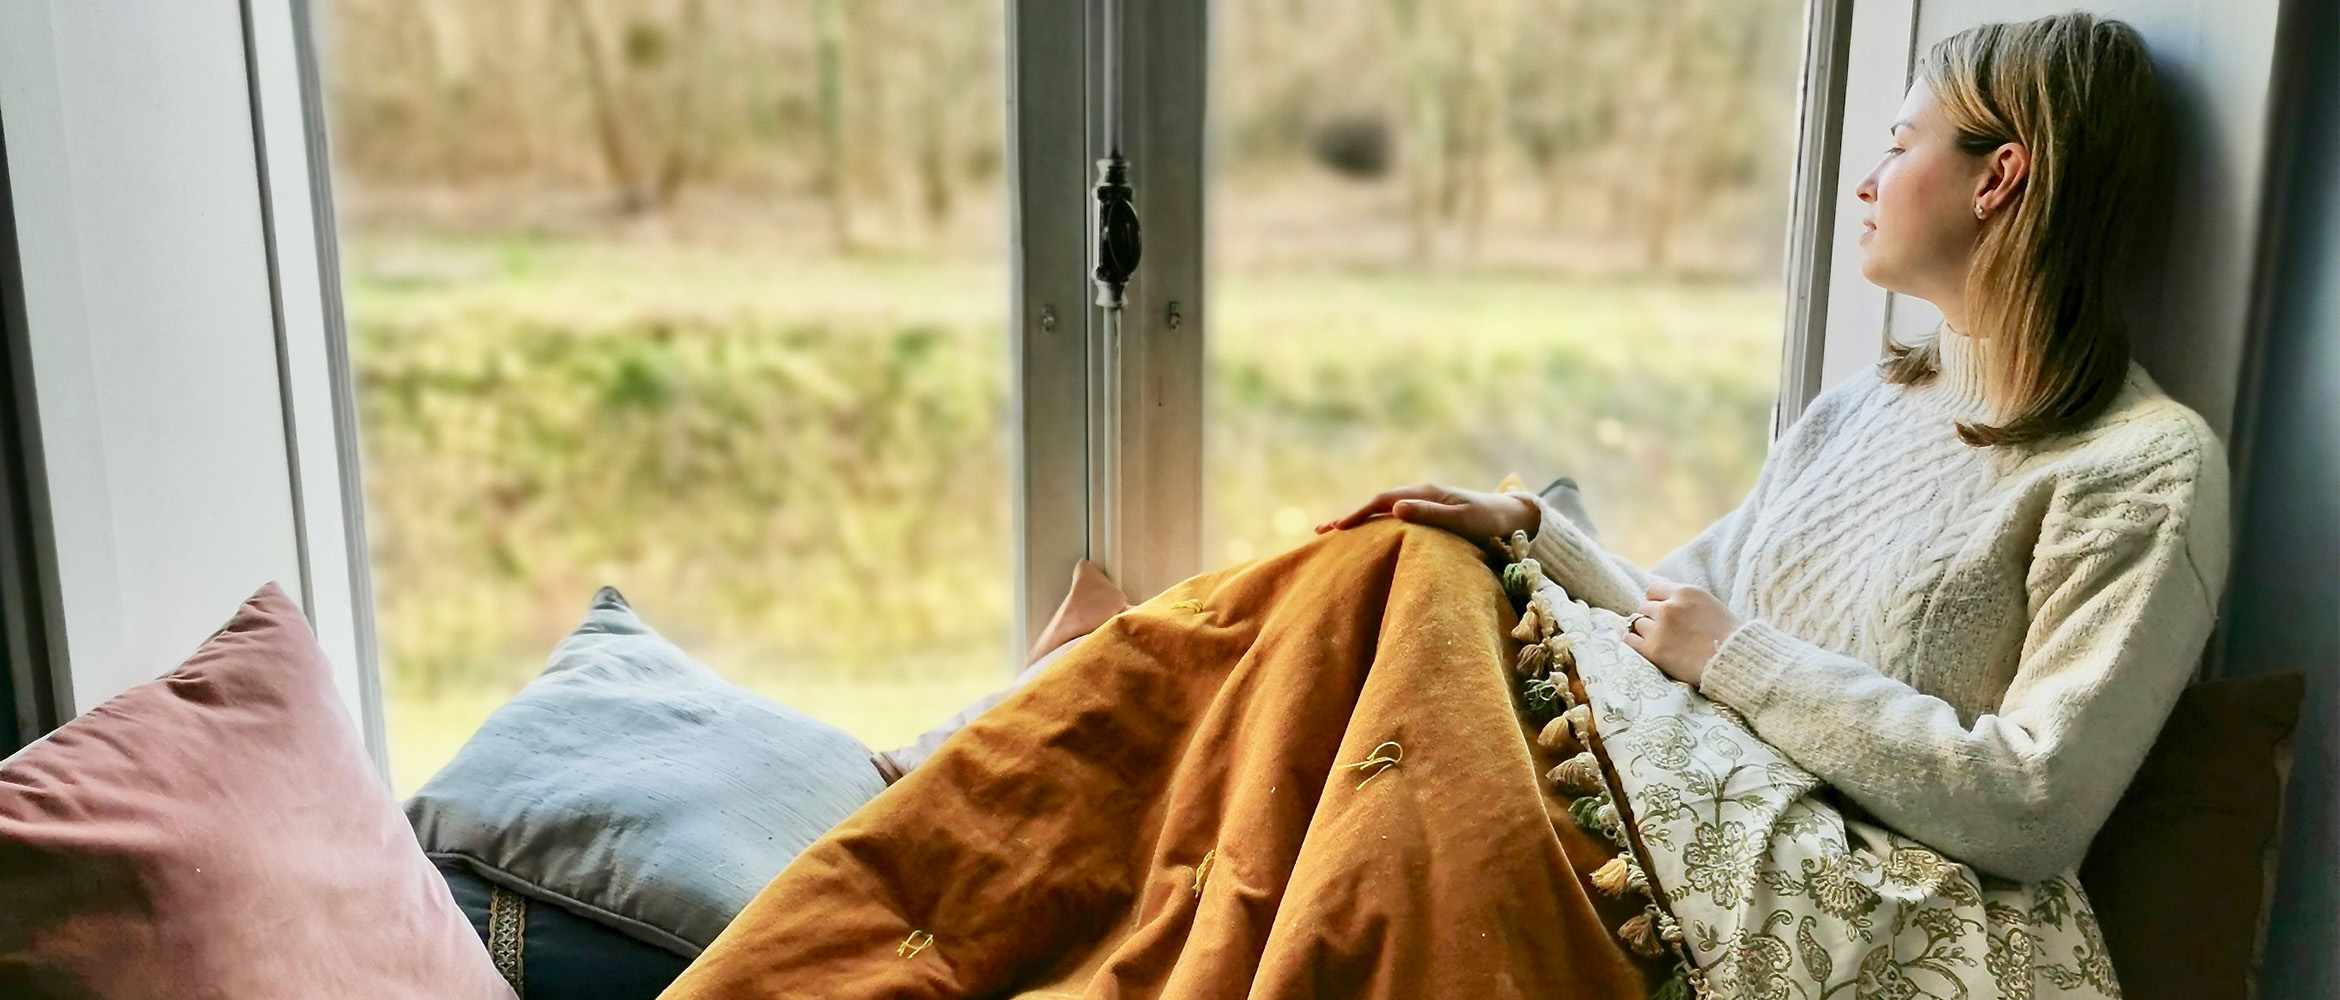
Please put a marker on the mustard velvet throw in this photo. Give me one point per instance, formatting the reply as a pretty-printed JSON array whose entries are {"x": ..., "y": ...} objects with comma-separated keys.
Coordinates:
[{"x": 1304, "y": 776}]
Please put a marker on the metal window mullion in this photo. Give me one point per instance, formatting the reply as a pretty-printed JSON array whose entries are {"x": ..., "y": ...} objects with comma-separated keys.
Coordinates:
[
  {"x": 1048, "y": 82},
  {"x": 1151, "y": 358}
]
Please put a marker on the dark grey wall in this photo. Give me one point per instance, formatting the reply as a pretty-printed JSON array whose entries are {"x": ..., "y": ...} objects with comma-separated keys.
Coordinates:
[{"x": 2283, "y": 611}]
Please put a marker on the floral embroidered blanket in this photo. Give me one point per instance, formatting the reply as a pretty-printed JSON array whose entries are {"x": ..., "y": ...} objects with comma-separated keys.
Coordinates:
[{"x": 1761, "y": 885}]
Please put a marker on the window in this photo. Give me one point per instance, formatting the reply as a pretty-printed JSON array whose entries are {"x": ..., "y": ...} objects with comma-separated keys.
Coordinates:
[
  {"x": 704, "y": 301},
  {"x": 1451, "y": 241},
  {"x": 156, "y": 524},
  {"x": 712, "y": 304}
]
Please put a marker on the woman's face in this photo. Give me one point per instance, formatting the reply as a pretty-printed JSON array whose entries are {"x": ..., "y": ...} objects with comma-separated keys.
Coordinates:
[{"x": 1918, "y": 226}]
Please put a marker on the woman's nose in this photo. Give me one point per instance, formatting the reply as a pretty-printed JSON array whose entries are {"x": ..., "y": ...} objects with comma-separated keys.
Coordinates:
[{"x": 1867, "y": 191}]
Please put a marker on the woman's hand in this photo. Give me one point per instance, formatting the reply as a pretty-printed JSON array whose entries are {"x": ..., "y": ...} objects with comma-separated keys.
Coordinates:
[
  {"x": 1474, "y": 515},
  {"x": 1683, "y": 627}
]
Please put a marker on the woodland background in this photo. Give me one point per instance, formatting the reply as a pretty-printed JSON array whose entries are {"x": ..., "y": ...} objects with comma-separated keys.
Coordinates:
[{"x": 707, "y": 301}]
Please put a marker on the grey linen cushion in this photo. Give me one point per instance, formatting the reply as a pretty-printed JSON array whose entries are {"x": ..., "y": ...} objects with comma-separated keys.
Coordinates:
[
  {"x": 638, "y": 788},
  {"x": 1565, "y": 497}
]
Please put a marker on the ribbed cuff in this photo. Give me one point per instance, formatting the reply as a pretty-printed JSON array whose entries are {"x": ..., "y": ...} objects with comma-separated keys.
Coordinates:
[{"x": 1744, "y": 672}]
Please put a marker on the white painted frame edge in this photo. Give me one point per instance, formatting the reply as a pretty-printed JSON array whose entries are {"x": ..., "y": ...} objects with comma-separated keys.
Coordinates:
[
  {"x": 1812, "y": 200},
  {"x": 320, "y": 410}
]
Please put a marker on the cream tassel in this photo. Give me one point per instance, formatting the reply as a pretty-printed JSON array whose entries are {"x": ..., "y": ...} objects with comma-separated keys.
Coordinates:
[
  {"x": 1535, "y": 659},
  {"x": 1547, "y": 620},
  {"x": 1580, "y": 774},
  {"x": 1528, "y": 629},
  {"x": 1556, "y": 735},
  {"x": 1516, "y": 546},
  {"x": 1580, "y": 722},
  {"x": 1614, "y": 877},
  {"x": 1562, "y": 646}
]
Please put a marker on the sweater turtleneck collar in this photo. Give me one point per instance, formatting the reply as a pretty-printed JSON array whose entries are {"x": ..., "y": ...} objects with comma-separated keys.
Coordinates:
[{"x": 1960, "y": 383}]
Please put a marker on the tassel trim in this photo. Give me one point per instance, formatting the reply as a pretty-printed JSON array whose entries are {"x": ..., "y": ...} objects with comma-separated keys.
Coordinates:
[
  {"x": 1530, "y": 627},
  {"x": 1580, "y": 774},
  {"x": 1535, "y": 659},
  {"x": 1640, "y": 934},
  {"x": 1546, "y": 665},
  {"x": 1580, "y": 722},
  {"x": 1620, "y": 876},
  {"x": 1585, "y": 812},
  {"x": 1605, "y": 816}
]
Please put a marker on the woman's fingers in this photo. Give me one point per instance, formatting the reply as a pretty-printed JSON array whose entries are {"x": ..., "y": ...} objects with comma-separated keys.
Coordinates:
[
  {"x": 1379, "y": 504},
  {"x": 1437, "y": 515},
  {"x": 1382, "y": 503}
]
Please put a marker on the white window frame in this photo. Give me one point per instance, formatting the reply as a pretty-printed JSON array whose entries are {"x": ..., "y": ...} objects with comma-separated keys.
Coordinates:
[
  {"x": 1813, "y": 199},
  {"x": 296, "y": 178},
  {"x": 1109, "y": 408},
  {"x": 179, "y": 335}
]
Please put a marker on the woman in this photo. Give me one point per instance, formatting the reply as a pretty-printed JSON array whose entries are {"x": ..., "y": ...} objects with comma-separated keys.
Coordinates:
[{"x": 1968, "y": 585}]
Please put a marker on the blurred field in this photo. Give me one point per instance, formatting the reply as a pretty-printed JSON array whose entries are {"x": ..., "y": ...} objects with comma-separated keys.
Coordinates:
[
  {"x": 795, "y": 465},
  {"x": 706, "y": 301}
]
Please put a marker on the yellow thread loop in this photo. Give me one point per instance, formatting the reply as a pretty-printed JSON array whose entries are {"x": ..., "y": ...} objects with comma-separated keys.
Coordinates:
[
  {"x": 1203, "y": 868},
  {"x": 1190, "y": 604},
  {"x": 912, "y": 945},
  {"x": 1375, "y": 758}
]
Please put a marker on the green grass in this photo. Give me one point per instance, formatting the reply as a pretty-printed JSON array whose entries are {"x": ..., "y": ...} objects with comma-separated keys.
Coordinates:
[{"x": 797, "y": 466}]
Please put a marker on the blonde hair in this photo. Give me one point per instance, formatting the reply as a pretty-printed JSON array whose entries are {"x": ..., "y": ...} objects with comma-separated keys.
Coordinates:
[{"x": 2078, "y": 93}]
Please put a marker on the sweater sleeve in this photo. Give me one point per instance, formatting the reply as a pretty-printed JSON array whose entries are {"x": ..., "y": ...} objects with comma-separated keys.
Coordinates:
[
  {"x": 1580, "y": 564},
  {"x": 2123, "y": 589},
  {"x": 1591, "y": 573}
]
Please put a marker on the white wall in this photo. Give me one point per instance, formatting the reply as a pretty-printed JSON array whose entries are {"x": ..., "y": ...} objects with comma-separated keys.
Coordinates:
[{"x": 161, "y": 380}]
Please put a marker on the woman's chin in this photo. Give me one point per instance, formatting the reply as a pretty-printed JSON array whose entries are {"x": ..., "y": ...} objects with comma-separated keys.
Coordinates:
[{"x": 1875, "y": 272}]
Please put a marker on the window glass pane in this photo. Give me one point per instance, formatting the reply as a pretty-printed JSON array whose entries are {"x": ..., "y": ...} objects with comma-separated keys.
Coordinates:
[
  {"x": 701, "y": 300},
  {"x": 1456, "y": 240}
]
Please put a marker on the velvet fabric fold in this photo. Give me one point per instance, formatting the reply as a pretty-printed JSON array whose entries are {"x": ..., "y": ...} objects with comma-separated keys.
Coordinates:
[{"x": 1302, "y": 776}]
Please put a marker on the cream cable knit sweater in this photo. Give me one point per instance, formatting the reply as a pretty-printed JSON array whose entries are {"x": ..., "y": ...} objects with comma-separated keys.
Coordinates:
[{"x": 1978, "y": 645}]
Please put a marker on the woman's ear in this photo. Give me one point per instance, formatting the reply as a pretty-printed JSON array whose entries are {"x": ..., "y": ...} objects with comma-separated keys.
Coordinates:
[{"x": 2004, "y": 171}]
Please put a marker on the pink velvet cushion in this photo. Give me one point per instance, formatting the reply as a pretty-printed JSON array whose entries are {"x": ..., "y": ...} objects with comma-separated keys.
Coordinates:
[{"x": 218, "y": 833}]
